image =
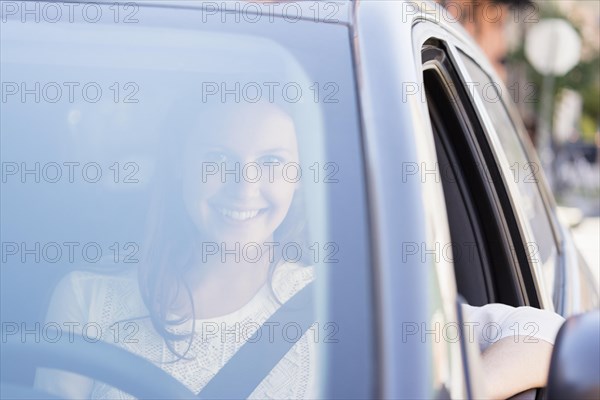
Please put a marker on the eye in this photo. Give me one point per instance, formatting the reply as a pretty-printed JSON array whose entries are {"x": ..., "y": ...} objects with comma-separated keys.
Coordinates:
[
  {"x": 271, "y": 159},
  {"x": 216, "y": 156}
]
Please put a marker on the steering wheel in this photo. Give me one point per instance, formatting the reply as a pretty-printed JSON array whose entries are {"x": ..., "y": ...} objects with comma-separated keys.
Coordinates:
[{"x": 100, "y": 361}]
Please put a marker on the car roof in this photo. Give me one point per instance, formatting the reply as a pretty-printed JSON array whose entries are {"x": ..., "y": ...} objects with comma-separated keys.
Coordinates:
[
  {"x": 331, "y": 11},
  {"x": 340, "y": 11}
]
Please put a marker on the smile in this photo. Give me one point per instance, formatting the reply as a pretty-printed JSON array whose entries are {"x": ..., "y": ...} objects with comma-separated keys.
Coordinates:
[{"x": 239, "y": 215}]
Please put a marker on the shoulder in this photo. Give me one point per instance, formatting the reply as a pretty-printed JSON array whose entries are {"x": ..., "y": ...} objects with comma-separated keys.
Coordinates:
[
  {"x": 290, "y": 278},
  {"x": 88, "y": 290},
  {"x": 86, "y": 281}
]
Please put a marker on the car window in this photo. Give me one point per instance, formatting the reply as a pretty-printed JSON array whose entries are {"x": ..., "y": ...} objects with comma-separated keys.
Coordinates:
[
  {"x": 485, "y": 267},
  {"x": 155, "y": 173},
  {"x": 518, "y": 168}
]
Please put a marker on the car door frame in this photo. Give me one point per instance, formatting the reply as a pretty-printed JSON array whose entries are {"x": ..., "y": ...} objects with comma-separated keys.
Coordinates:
[
  {"x": 454, "y": 42},
  {"x": 396, "y": 127}
]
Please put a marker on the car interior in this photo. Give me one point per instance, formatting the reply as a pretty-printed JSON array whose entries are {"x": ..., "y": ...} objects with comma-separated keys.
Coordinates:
[{"x": 478, "y": 215}]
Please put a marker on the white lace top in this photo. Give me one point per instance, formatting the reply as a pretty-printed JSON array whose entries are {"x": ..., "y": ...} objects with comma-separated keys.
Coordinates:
[{"x": 102, "y": 300}]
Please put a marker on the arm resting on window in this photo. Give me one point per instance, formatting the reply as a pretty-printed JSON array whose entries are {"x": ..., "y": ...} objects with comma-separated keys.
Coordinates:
[
  {"x": 516, "y": 345},
  {"x": 511, "y": 367}
]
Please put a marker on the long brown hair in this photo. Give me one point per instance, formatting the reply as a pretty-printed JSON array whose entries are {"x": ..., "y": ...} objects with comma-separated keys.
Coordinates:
[{"x": 171, "y": 238}]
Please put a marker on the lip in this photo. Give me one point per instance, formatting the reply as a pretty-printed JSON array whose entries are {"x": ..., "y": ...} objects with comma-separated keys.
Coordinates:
[{"x": 239, "y": 214}]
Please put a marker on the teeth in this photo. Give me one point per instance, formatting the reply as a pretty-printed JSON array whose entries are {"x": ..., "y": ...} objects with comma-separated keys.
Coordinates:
[{"x": 239, "y": 215}]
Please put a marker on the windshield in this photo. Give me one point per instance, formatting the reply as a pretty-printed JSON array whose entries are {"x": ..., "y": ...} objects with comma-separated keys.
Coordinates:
[{"x": 170, "y": 181}]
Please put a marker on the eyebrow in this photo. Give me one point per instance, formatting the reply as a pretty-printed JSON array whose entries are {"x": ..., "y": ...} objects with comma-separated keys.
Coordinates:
[{"x": 277, "y": 150}]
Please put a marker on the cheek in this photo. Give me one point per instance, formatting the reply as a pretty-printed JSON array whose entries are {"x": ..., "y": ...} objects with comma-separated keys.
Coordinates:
[
  {"x": 280, "y": 196},
  {"x": 196, "y": 193}
]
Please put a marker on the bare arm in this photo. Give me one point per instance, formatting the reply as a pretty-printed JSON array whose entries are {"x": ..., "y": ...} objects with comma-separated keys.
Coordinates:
[
  {"x": 516, "y": 345},
  {"x": 514, "y": 364}
]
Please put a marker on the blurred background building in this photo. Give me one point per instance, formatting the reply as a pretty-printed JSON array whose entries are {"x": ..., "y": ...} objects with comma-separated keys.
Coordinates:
[{"x": 561, "y": 111}]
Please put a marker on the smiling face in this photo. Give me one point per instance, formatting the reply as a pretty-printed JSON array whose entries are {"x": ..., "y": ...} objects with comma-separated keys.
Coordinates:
[{"x": 234, "y": 186}]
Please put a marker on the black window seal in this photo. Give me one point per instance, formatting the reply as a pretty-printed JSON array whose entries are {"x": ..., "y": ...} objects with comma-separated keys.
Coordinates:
[
  {"x": 440, "y": 131},
  {"x": 434, "y": 53}
]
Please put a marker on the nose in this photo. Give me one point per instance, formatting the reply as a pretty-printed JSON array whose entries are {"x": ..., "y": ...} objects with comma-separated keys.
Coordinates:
[
  {"x": 243, "y": 184},
  {"x": 244, "y": 189}
]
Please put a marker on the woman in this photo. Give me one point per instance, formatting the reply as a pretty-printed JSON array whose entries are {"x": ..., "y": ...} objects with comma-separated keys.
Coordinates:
[{"x": 215, "y": 260}]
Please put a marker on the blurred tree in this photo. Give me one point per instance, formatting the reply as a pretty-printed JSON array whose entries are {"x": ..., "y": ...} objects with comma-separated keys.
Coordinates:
[
  {"x": 584, "y": 78},
  {"x": 486, "y": 21}
]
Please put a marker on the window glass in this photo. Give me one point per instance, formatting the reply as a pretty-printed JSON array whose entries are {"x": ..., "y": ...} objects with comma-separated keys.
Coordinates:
[
  {"x": 168, "y": 184},
  {"x": 523, "y": 172}
]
